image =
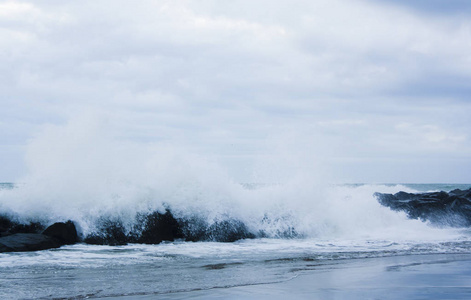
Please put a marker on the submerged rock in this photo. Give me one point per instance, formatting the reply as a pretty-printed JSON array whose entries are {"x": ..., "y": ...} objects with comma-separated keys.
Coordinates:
[{"x": 440, "y": 208}]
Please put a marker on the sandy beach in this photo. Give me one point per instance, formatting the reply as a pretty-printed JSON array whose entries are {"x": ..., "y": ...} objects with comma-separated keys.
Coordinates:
[{"x": 438, "y": 276}]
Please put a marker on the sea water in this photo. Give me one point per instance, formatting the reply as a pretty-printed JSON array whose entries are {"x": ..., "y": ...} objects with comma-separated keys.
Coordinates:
[{"x": 333, "y": 224}]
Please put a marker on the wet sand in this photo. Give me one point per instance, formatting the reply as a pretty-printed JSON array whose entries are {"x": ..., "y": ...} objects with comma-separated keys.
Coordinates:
[{"x": 437, "y": 276}]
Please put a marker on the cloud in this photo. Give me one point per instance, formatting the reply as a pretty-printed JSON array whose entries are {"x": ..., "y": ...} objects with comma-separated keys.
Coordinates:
[
  {"x": 437, "y": 7},
  {"x": 430, "y": 134},
  {"x": 221, "y": 78}
]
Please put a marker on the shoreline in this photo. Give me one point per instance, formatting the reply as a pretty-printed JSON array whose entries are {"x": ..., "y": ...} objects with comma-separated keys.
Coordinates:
[{"x": 429, "y": 276}]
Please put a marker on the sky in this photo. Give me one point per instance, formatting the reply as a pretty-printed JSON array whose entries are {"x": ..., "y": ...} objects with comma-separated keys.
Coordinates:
[{"x": 362, "y": 90}]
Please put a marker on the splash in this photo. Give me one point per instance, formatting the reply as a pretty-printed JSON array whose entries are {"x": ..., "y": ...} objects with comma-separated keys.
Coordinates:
[{"x": 84, "y": 174}]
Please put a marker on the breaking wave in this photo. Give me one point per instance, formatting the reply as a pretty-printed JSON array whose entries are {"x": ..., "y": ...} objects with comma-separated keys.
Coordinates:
[{"x": 104, "y": 186}]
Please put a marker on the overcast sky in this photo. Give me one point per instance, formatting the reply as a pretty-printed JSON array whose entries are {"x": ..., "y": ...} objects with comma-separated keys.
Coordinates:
[{"x": 371, "y": 90}]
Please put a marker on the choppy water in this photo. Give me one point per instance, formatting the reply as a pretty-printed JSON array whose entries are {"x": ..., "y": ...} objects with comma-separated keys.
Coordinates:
[{"x": 99, "y": 271}]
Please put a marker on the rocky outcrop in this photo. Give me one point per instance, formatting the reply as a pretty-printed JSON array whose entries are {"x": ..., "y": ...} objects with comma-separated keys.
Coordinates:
[
  {"x": 56, "y": 235},
  {"x": 228, "y": 231},
  {"x": 19, "y": 242},
  {"x": 440, "y": 208},
  {"x": 152, "y": 228},
  {"x": 156, "y": 227},
  {"x": 109, "y": 232},
  {"x": 9, "y": 226},
  {"x": 66, "y": 232}
]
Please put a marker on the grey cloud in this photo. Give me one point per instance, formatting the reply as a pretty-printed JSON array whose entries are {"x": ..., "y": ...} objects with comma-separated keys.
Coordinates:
[
  {"x": 220, "y": 78},
  {"x": 438, "y": 7}
]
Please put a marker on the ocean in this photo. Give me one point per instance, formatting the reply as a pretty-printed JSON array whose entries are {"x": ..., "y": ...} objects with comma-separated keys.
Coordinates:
[{"x": 302, "y": 230}]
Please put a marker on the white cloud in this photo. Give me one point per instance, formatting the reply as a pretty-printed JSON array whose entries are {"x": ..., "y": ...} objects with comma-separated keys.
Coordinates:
[{"x": 13, "y": 9}]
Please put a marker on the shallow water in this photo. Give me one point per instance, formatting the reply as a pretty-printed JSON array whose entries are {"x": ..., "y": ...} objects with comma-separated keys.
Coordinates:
[
  {"x": 103, "y": 271},
  {"x": 438, "y": 276}
]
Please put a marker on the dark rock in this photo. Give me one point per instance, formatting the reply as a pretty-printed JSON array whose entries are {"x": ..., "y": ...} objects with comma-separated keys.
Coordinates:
[
  {"x": 27, "y": 237},
  {"x": 27, "y": 242},
  {"x": 228, "y": 231},
  {"x": 8, "y": 227},
  {"x": 5, "y": 225},
  {"x": 64, "y": 232},
  {"x": 32, "y": 227},
  {"x": 110, "y": 232},
  {"x": 150, "y": 228},
  {"x": 158, "y": 227},
  {"x": 440, "y": 208},
  {"x": 194, "y": 228},
  {"x": 197, "y": 229}
]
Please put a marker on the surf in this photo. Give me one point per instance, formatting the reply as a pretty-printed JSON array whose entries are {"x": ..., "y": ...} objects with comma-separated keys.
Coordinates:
[{"x": 115, "y": 191}]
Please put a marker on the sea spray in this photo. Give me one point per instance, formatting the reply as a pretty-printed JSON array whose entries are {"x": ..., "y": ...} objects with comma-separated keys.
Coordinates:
[
  {"x": 343, "y": 212},
  {"x": 78, "y": 172}
]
